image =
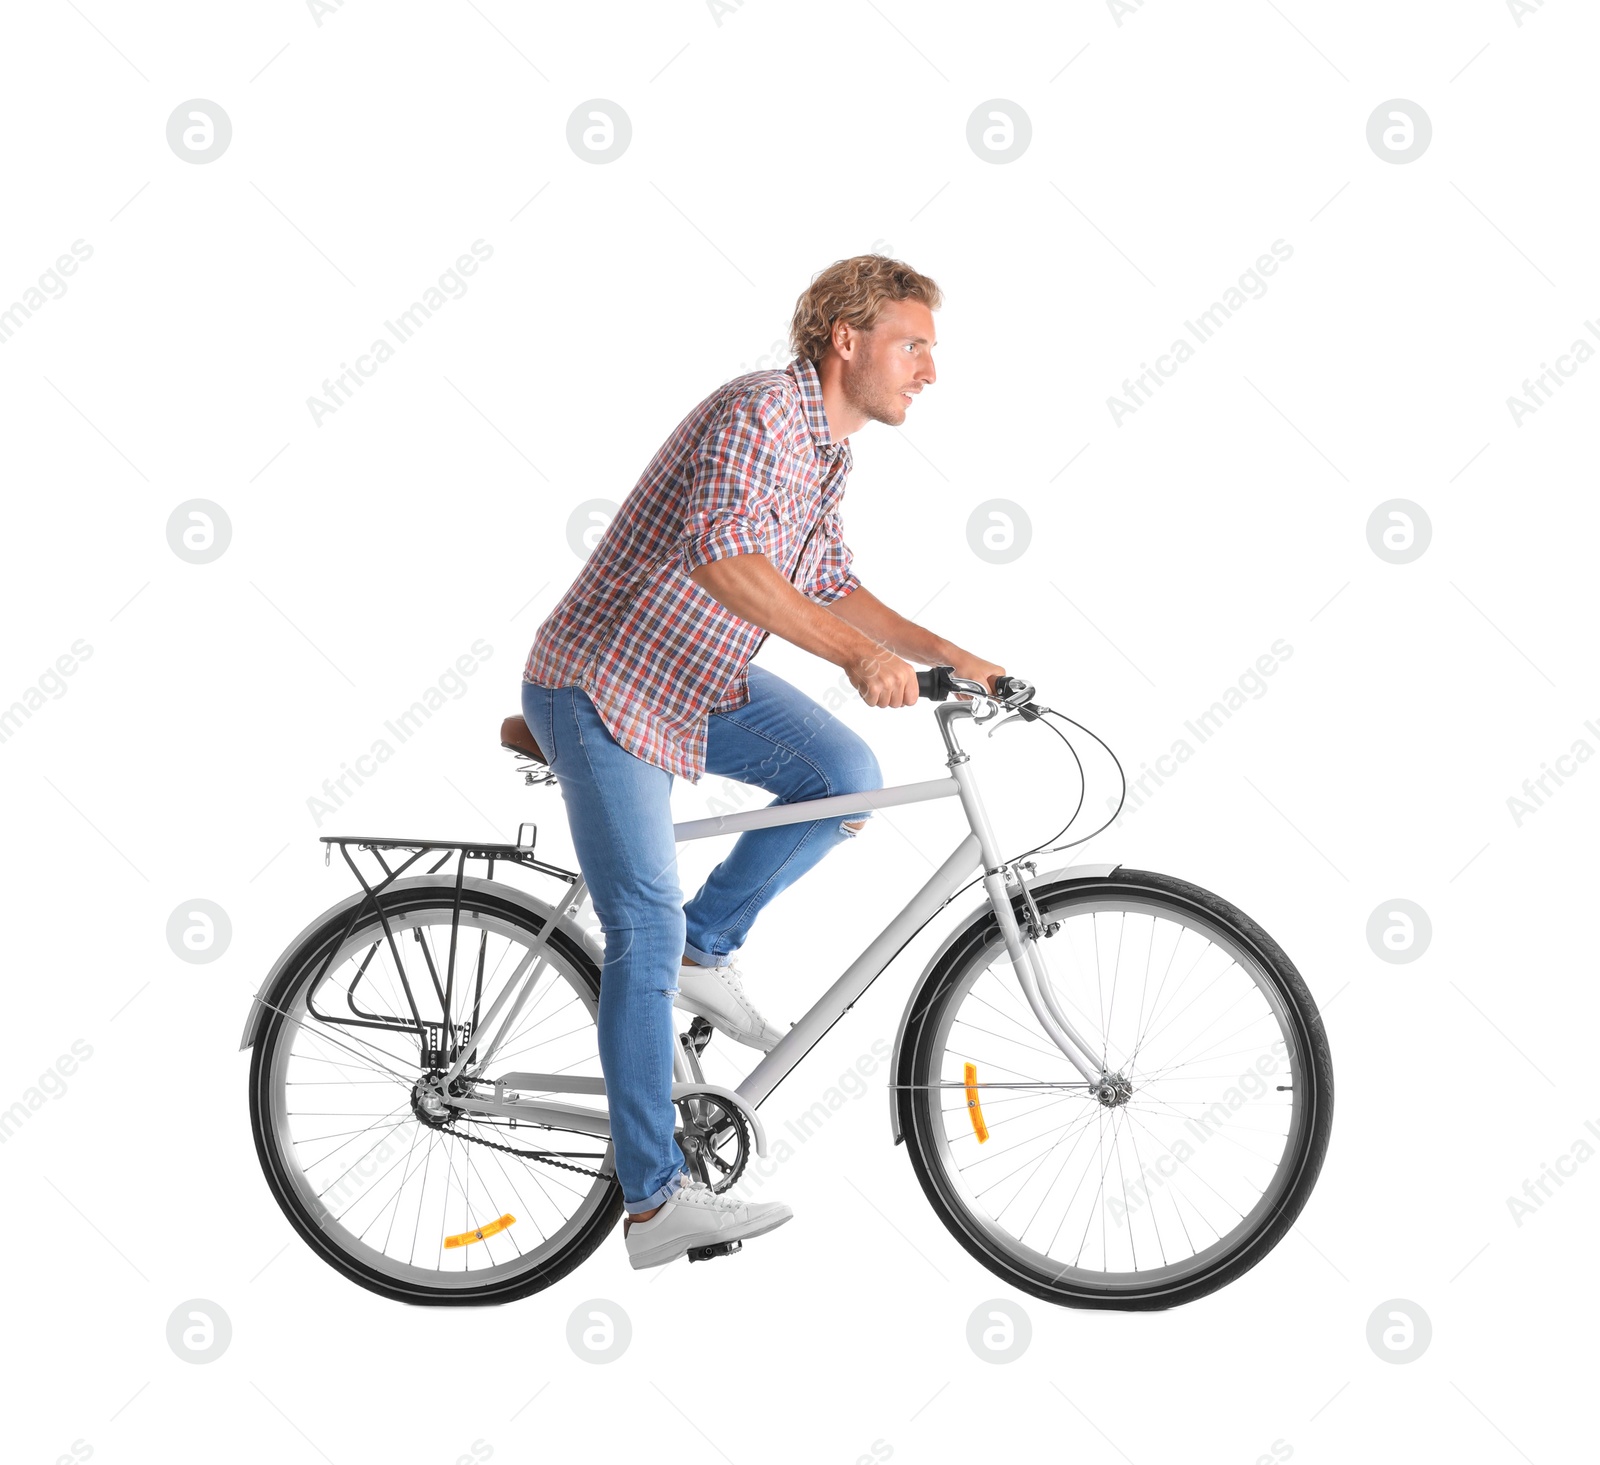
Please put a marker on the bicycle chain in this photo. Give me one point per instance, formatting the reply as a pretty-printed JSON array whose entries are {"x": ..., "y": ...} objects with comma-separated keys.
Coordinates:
[
  {"x": 534, "y": 1154},
  {"x": 524, "y": 1154},
  {"x": 547, "y": 1159},
  {"x": 444, "y": 1128}
]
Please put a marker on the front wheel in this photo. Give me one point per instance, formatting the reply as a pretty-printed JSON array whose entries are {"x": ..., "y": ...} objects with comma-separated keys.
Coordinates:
[{"x": 1179, "y": 1174}]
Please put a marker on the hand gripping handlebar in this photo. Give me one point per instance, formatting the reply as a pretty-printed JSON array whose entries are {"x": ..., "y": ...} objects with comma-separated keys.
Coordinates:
[{"x": 937, "y": 684}]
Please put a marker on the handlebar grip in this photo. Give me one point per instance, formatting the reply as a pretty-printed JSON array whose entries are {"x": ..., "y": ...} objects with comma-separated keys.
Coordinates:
[{"x": 934, "y": 684}]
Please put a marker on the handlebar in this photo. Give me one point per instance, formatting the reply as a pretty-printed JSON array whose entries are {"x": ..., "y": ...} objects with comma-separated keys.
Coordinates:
[{"x": 938, "y": 683}]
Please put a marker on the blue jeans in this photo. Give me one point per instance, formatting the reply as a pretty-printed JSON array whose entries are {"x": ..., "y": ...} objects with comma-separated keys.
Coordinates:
[{"x": 619, "y": 812}]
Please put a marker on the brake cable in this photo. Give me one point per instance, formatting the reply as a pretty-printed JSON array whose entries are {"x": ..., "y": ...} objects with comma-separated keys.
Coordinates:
[{"x": 1039, "y": 714}]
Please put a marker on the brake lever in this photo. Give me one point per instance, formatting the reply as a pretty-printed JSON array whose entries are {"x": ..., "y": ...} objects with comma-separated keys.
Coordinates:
[{"x": 1028, "y": 712}]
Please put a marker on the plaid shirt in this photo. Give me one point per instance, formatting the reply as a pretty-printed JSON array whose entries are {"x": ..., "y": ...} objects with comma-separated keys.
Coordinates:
[{"x": 751, "y": 470}]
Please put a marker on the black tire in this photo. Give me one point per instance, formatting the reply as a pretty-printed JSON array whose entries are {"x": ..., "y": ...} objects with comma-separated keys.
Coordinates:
[
  {"x": 920, "y": 1121},
  {"x": 409, "y": 897}
]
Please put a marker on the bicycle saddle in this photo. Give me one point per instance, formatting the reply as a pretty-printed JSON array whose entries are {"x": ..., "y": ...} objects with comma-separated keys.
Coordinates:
[{"x": 514, "y": 734}]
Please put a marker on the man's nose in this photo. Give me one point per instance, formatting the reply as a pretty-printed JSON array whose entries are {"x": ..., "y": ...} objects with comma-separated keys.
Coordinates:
[{"x": 927, "y": 372}]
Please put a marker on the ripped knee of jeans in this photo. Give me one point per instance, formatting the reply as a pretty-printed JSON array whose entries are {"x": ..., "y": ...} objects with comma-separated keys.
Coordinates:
[{"x": 853, "y": 827}]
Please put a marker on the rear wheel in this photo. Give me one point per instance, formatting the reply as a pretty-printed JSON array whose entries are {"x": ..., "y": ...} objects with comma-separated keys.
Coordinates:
[
  {"x": 1186, "y": 1168},
  {"x": 357, "y": 1140}
]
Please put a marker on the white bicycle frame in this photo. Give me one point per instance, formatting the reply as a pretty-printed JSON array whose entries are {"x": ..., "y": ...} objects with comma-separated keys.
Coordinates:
[{"x": 976, "y": 851}]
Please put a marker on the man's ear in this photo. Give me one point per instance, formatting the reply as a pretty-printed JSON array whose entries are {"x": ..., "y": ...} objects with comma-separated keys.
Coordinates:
[{"x": 844, "y": 337}]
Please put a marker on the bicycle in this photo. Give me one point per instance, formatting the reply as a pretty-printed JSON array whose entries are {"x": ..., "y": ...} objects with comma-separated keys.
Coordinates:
[{"x": 1114, "y": 1087}]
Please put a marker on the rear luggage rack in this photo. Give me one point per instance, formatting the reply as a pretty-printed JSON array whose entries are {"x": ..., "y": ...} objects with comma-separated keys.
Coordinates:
[
  {"x": 520, "y": 853},
  {"x": 436, "y": 1042}
]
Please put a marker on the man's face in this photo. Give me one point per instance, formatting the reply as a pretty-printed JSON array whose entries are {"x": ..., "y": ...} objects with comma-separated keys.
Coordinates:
[{"x": 886, "y": 367}]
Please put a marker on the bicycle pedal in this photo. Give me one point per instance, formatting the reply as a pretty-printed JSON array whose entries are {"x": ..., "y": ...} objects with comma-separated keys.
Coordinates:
[
  {"x": 705, "y": 1253},
  {"x": 697, "y": 1037}
]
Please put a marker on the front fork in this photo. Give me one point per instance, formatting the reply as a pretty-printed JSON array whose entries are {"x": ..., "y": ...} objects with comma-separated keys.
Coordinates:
[{"x": 1027, "y": 961}]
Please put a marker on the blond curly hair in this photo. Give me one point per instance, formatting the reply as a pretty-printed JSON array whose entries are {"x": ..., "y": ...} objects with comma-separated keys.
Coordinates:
[{"x": 855, "y": 291}]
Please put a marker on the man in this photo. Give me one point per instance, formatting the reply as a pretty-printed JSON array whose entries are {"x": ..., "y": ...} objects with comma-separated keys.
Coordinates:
[{"x": 642, "y": 672}]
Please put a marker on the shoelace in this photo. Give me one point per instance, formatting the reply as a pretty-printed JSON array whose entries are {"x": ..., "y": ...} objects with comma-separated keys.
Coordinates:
[
  {"x": 698, "y": 1193},
  {"x": 735, "y": 980}
]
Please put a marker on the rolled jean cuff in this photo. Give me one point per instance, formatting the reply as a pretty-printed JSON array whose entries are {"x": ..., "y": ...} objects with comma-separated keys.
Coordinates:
[
  {"x": 705, "y": 958},
  {"x": 658, "y": 1195}
]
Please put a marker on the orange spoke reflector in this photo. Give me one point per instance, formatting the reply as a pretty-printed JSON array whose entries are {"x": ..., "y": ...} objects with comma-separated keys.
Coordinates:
[
  {"x": 970, "y": 1078},
  {"x": 494, "y": 1228}
]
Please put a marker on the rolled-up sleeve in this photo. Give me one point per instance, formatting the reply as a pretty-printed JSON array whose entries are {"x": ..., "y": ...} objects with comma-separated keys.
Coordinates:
[
  {"x": 730, "y": 493},
  {"x": 832, "y": 579}
]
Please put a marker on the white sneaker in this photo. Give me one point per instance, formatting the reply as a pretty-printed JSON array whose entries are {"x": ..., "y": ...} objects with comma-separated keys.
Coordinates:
[
  {"x": 694, "y": 1215},
  {"x": 716, "y": 993}
]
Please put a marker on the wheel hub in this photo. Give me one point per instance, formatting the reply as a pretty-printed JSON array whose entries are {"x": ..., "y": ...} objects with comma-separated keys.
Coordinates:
[
  {"x": 427, "y": 1101},
  {"x": 1115, "y": 1090}
]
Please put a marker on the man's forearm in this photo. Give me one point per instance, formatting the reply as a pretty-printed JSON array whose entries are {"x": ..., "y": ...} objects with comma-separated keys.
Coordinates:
[
  {"x": 750, "y": 586},
  {"x": 907, "y": 639}
]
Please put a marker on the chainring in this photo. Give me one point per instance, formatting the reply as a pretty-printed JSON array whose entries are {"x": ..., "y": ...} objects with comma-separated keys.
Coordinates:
[{"x": 712, "y": 1128}]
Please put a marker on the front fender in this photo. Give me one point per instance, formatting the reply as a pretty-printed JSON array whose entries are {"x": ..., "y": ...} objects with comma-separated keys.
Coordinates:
[
  {"x": 968, "y": 931},
  {"x": 589, "y": 937}
]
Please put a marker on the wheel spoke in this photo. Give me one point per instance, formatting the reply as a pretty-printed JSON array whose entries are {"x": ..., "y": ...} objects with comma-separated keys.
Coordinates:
[
  {"x": 389, "y": 1184},
  {"x": 1172, "y": 1162}
]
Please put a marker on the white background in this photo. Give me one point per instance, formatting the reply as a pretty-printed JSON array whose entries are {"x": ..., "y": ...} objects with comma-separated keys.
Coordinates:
[{"x": 368, "y": 552}]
